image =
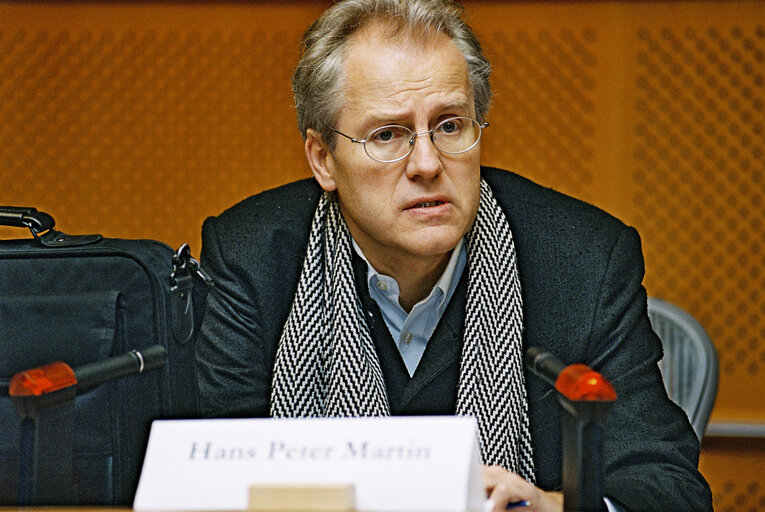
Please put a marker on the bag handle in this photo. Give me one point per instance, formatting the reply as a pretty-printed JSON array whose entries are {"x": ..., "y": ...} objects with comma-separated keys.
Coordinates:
[
  {"x": 41, "y": 222},
  {"x": 23, "y": 217}
]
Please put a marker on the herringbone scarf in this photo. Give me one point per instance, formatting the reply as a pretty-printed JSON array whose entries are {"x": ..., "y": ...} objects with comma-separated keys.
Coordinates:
[{"x": 326, "y": 363}]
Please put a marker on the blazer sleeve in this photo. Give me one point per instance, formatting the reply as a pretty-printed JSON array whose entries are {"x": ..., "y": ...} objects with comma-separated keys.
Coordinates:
[
  {"x": 232, "y": 377},
  {"x": 651, "y": 451}
]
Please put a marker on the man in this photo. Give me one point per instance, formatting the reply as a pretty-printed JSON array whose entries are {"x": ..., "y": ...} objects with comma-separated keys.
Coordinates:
[{"x": 406, "y": 279}]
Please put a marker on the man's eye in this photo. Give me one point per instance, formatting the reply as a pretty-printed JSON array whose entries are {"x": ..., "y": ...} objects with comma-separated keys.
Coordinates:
[
  {"x": 384, "y": 135},
  {"x": 387, "y": 134},
  {"x": 450, "y": 127}
]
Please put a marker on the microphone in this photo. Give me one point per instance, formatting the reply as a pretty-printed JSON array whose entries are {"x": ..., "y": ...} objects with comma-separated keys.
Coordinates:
[
  {"x": 543, "y": 364},
  {"x": 45, "y": 397},
  {"x": 130, "y": 363},
  {"x": 577, "y": 382},
  {"x": 55, "y": 376}
]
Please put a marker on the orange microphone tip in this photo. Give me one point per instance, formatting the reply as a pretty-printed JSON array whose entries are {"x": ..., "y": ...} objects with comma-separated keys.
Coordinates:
[
  {"x": 581, "y": 383},
  {"x": 42, "y": 380}
]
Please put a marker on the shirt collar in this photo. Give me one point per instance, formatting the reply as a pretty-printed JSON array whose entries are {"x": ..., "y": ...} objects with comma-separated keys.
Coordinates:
[{"x": 445, "y": 282}]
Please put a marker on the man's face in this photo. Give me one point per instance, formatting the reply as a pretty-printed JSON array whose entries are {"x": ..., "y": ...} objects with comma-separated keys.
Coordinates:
[{"x": 421, "y": 206}]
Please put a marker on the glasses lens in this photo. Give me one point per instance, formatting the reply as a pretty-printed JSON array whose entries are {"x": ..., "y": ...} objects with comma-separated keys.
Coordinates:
[
  {"x": 456, "y": 134},
  {"x": 388, "y": 143}
]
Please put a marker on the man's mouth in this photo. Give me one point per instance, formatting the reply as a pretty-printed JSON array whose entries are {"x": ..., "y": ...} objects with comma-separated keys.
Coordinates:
[{"x": 429, "y": 203}]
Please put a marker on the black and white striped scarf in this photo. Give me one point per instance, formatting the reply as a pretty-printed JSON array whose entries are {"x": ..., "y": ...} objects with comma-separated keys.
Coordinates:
[{"x": 326, "y": 363}]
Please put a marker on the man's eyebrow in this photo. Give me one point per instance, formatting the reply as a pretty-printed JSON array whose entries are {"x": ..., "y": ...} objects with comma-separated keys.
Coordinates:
[
  {"x": 457, "y": 104},
  {"x": 380, "y": 119},
  {"x": 391, "y": 117},
  {"x": 384, "y": 118}
]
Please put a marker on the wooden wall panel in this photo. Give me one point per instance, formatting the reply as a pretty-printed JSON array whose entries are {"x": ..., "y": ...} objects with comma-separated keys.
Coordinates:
[{"x": 141, "y": 119}]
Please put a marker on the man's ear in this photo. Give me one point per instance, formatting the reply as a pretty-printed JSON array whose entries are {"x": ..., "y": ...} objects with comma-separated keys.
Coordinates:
[{"x": 320, "y": 159}]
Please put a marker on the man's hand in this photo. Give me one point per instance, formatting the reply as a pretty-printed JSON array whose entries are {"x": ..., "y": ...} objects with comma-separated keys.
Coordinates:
[{"x": 503, "y": 487}]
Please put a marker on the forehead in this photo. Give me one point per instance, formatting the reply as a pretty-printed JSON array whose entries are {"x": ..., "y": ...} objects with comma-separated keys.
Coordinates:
[{"x": 392, "y": 76}]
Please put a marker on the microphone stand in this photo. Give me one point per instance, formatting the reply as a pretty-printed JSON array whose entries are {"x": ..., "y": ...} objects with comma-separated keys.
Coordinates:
[
  {"x": 586, "y": 397},
  {"x": 44, "y": 398},
  {"x": 46, "y": 446},
  {"x": 583, "y": 454}
]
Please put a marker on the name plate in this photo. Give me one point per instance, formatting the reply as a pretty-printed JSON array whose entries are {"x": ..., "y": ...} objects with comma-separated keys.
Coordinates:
[{"x": 398, "y": 464}]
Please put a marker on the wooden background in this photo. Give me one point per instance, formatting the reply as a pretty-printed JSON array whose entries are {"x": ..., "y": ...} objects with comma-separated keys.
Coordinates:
[{"x": 139, "y": 120}]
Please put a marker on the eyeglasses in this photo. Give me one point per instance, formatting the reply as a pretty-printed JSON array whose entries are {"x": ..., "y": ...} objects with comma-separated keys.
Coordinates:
[{"x": 393, "y": 142}]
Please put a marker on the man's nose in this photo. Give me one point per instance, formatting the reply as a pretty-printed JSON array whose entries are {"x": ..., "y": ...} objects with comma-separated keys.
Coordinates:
[{"x": 425, "y": 159}]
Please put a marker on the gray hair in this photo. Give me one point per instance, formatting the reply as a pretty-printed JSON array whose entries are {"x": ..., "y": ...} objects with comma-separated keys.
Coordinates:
[{"x": 316, "y": 80}]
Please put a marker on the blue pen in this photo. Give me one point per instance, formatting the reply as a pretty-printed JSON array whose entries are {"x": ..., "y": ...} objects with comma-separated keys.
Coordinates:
[{"x": 516, "y": 504}]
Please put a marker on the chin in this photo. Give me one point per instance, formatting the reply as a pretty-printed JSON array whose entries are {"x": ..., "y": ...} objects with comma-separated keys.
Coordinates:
[{"x": 434, "y": 246}]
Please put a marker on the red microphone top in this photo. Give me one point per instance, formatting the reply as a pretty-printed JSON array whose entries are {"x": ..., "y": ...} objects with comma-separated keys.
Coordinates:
[
  {"x": 42, "y": 380},
  {"x": 579, "y": 382}
]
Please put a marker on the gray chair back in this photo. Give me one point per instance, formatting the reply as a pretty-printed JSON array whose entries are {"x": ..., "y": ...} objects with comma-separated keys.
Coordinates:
[{"x": 689, "y": 367}]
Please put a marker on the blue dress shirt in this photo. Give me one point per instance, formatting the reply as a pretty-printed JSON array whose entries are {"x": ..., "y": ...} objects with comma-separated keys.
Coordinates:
[{"x": 412, "y": 331}]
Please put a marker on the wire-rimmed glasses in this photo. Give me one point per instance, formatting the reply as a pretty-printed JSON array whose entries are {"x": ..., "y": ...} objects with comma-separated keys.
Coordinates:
[{"x": 393, "y": 142}]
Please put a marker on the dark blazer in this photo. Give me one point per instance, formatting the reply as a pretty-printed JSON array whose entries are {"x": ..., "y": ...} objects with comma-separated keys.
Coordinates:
[{"x": 581, "y": 272}]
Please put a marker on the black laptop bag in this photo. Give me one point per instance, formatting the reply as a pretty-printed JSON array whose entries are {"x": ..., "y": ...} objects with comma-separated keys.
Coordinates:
[{"x": 81, "y": 300}]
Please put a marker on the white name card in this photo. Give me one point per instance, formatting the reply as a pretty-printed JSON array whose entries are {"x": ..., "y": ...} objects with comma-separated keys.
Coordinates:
[{"x": 398, "y": 464}]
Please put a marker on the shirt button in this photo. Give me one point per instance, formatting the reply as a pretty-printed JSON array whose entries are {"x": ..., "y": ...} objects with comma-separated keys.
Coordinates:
[
  {"x": 381, "y": 285},
  {"x": 407, "y": 338}
]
